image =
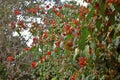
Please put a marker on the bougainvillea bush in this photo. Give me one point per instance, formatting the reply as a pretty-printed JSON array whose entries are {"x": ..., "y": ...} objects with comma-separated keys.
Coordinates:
[{"x": 71, "y": 41}]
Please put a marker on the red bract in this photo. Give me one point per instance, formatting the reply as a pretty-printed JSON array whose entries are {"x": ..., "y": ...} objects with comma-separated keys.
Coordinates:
[
  {"x": 44, "y": 35},
  {"x": 24, "y": 26},
  {"x": 73, "y": 77},
  {"x": 34, "y": 24},
  {"x": 20, "y": 23},
  {"x": 34, "y": 39},
  {"x": 96, "y": 5},
  {"x": 12, "y": 24},
  {"x": 76, "y": 22},
  {"x": 70, "y": 43},
  {"x": 10, "y": 58},
  {"x": 64, "y": 33},
  {"x": 43, "y": 58},
  {"x": 48, "y": 53},
  {"x": 26, "y": 49},
  {"x": 88, "y": 1},
  {"x": 66, "y": 27},
  {"x": 59, "y": 7},
  {"x": 47, "y": 6},
  {"x": 33, "y": 64},
  {"x": 65, "y": 5},
  {"x": 45, "y": 21},
  {"x": 42, "y": 12},
  {"x": 17, "y": 12},
  {"x": 58, "y": 13},
  {"x": 53, "y": 9},
  {"x": 57, "y": 44},
  {"x": 90, "y": 50},
  {"x": 52, "y": 22},
  {"x": 72, "y": 6},
  {"x": 82, "y": 62},
  {"x": 33, "y": 10}
]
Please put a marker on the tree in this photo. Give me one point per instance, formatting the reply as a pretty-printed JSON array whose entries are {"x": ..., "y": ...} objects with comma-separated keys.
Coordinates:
[{"x": 73, "y": 41}]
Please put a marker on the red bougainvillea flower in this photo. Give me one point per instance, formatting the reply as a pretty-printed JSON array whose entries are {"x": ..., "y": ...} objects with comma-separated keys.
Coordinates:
[
  {"x": 20, "y": 23},
  {"x": 43, "y": 58},
  {"x": 76, "y": 22},
  {"x": 42, "y": 12},
  {"x": 90, "y": 50},
  {"x": 45, "y": 21},
  {"x": 26, "y": 49},
  {"x": 33, "y": 64},
  {"x": 53, "y": 9},
  {"x": 24, "y": 26},
  {"x": 82, "y": 61},
  {"x": 52, "y": 22},
  {"x": 33, "y": 10},
  {"x": 65, "y": 5},
  {"x": 57, "y": 44},
  {"x": 66, "y": 28},
  {"x": 44, "y": 35},
  {"x": 73, "y": 77},
  {"x": 47, "y": 6},
  {"x": 96, "y": 5},
  {"x": 35, "y": 40},
  {"x": 48, "y": 53},
  {"x": 12, "y": 24},
  {"x": 72, "y": 6},
  {"x": 10, "y": 58},
  {"x": 59, "y": 7},
  {"x": 58, "y": 13},
  {"x": 88, "y": 1},
  {"x": 17, "y": 12}
]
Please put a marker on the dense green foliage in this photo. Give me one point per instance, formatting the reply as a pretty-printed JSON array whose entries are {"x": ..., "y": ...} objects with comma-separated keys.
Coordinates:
[{"x": 70, "y": 42}]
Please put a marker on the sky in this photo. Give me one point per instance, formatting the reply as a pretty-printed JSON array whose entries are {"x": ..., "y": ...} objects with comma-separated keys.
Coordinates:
[{"x": 27, "y": 35}]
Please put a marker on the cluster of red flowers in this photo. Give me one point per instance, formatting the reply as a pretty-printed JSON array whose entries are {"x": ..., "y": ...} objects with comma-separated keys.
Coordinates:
[
  {"x": 12, "y": 24},
  {"x": 43, "y": 58},
  {"x": 17, "y": 12},
  {"x": 33, "y": 10},
  {"x": 33, "y": 64},
  {"x": 48, "y": 53},
  {"x": 10, "y": 58},
  {"x": 73, "y": 77},
  {"x": 82, "y": 61}
]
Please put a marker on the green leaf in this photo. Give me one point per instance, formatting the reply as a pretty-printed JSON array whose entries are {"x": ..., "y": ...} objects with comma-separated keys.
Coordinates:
[
  {"x": 98, "y": 23},
  {"x": 66, "y": 51},
  {"x": 18, "y": 32},
  {"x": 102, "y": 7},
  {"x": 58, "y": 50},
  {"x": 54, "y": 78},
  {"x": 68, "y": 37},
  {"x": 119, "y": 58},
  {"x": 84, "y": 33},
  {"x": 91, "y": 12}
]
